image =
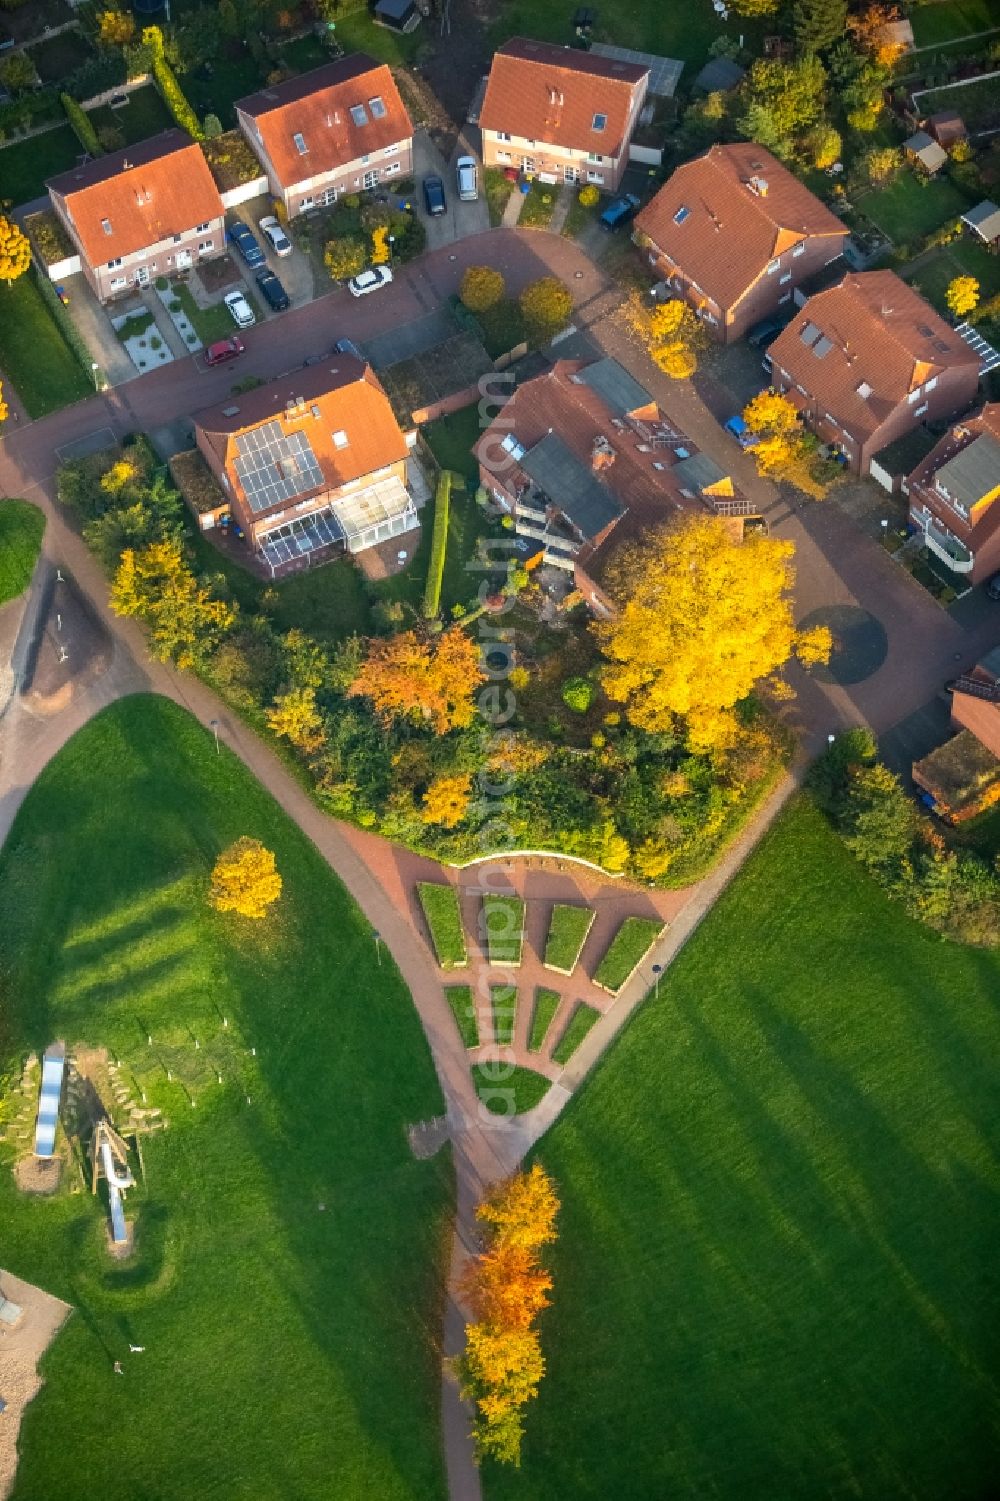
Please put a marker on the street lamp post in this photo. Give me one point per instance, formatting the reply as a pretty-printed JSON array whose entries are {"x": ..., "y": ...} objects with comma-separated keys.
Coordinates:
[
  {"x": 378, "y": 945},
  {"x": 94, "y": 367},
  {"x": 214, "y": 727},
  {"x": 657, "y": 972}
]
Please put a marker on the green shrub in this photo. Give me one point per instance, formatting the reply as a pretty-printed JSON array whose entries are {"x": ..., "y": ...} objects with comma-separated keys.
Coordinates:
[
  {"x": 82, "y": 126},
  {"x": 439, "y": 546},
  {"x": 503, "y": 928},
  {"x": 173, "y": 98},
  {"x": 578, "y": 694},
  {"x": 444, "y": 920},
  {"x": 579, "y": 1025},
  {"x": 546, "y": 1006},
  {"x": 629, "y": 947},
  {"x": 503, "y": 1004},
  {"x": 464, "y": 1011},
  {"x": 568, "y": 929}
]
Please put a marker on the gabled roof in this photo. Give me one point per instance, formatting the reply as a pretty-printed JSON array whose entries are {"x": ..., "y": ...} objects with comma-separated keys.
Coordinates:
[
  {"x": 946, "y": 126},
  {"x": 130, "y": 199},
  {"x": 960, "y": 437},
  {"x": 926, "y": 150},
  {"x": 984, "y": 219},
  {"x": 554, "y": 94},
  {"x": 974, "y": 472},
  {"x": 723, "y": 218},
  {"x": 620, "y": 392},
  {"x": 306, "y": 125},
  {"x": 862, "y": 346},
  {"x": 570, "y": 485},
  {"x": 277, "y": 443}
]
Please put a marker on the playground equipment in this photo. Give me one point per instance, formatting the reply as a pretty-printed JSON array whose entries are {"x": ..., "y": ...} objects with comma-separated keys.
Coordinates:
[
  {"x": 53, "y": 1064},
  {"x": 109, "y": 1155}
]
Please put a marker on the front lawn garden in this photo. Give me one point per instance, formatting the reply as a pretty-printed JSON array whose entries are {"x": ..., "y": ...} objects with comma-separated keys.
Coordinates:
[
  {"x": 498, "y": 189},
  {"x": 34, "y": 356},
  {"x": 627, "y": 950},
  {"x": 286, "y": 1281},
  {"x": 781, "y": 1190},
  {"x": 568, "y": 929},
  {"x": 503, "y": 924},
  {"x": 22, "y": 527},
  {"x": 685, "y": 32},
  {"x": 907, "y": 209},
  {"x": 496, "y": 1084},
  {"x": 211, "y": 323},
  {"x": 539, "y": 205},
  {"x": 579, "y": 1025},
  {"x": 444, "y": 922}
]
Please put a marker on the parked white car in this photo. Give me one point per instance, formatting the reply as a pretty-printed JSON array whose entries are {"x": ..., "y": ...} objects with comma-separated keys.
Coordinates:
[
  {"x": 371, "y": 280},
  {"x": 467, "y": 178},
  {"x": 275, "y": 235},
  {"x": 242, "y": 312}
]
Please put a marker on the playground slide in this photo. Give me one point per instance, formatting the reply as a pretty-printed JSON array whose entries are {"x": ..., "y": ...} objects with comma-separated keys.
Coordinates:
[
  {"x": 117, "y": 1177},
  {"x": 53, "y": 1063},
  {"x": 117, "y": 1180}
]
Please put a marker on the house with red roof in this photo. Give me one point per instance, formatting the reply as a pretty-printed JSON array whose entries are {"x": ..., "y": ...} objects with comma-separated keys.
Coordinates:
[
  {"x": 342, "y": 128},
  {"x": 734, "y": 233},
  {"x": 150, "y": 210},
  {"x": 954, "y": 496},
  {"x": 561, "y": 115}
]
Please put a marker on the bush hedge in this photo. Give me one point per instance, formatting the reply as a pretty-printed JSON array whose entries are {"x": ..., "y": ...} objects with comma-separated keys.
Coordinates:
[
  {"x": 444, "y": 920},
  {"x": 579, "y": 1025},
  {"x": 503, "y": 923},
  {"x": 82, "y": 127},
  {"x": 173, "y": 98},
  {"x": 439, "y": 546},
  {"x": 628, "y": 948},
  {"x": 568, "y": 929}
]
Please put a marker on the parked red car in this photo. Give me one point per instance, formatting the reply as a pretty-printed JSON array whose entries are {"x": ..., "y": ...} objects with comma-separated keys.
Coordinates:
[{"x": 225, "y": 349}]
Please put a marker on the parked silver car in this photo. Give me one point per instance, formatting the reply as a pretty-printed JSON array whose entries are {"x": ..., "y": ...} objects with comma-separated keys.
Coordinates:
[{"x": 468, "y": 179}]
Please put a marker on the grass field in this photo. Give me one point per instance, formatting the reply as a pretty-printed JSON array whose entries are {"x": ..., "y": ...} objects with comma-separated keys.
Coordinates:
[
  {"x": 568, "y": 929},
  {"x": 22, "y": 527},
  {"x": 781, "y": 1190},
  {"x": 444, "y": 922},
  {"x": 144, "y": 115},
  {"x": 961, "y": 258},
  {"x": 684, "y": 31},
  {"x": 546, "y": 1006},
  {"x": 579, "y": 1025},
  {"x": 34, "y": 356},
  {"x": 539, "y": 206},
  {"x": 947, "y": 19},
  {"x": 25, "y": 165},
  {"x": 906, "y": 210},
  {"x": 286, "y": 1281},
  {"x": 630, "y": 944}
]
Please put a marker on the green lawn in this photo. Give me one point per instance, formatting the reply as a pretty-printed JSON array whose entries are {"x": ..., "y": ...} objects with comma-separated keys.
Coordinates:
[
  {"x": 546, "y": 1006},
  {"x": 978, "y": 103},
  {"x": 908, "y": 209},
  {"x": 503, "y": 1003},
  {"x": 627, "y": 949},
  {"x": 580, "y": 1023},
  {"x": 781, "y": 1190},
  {"x": 210, "y": 323},
  {"x": 444, "y": 922},
  {"x": 231, "y": 79},
  {"x": 286, "y": 1281},
  {"x": 60, "y": 55},
  {"x": 947, "y": 19},
  {"x": 25, "y": 165},
  {"x": 144, "y": 115},
  {"x": 495, "y": 1083},
  {"x": 463, "y": 1009},
  {"x": 34, "y": 356},
  {"x": 22, "y": 527},
  {"x": 539, "y": 206},
  {"x": 358, "y": 33},
  {"x": 451, "y": 439},
  {"x": 684, "y": 31},
  {"x": 568, "y": 929},
  {"x": 503, "y": 923},
  {"x": 961, "y": 258},
  {"x": 497, "y": 189}
]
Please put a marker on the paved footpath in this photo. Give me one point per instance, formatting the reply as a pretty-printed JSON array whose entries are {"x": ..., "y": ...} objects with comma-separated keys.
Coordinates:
[{"x": 836, "y": 564}]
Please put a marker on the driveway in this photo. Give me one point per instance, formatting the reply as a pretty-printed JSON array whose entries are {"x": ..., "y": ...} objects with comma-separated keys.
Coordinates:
[
  {"x": 94, "y": 327},
  {"x": 460, "y": 219},
  {"x": 293, "y": 271}
]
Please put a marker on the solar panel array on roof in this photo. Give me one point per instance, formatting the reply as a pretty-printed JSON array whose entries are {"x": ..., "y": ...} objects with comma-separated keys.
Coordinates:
[
  {"x": 274, "y": 466},
  {"x": 303, "y": 535}
]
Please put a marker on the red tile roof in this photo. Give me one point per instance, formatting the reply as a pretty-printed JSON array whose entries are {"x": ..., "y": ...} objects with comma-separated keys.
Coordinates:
[
  {"x": 134, "y": 198},
  {"x": 743, "y": 208},
  {"x": 346, "y": 396},
  {"x": 552, "y": 94},
  {"x": 871, "y": 331},
  {"x": 317, "y": 106}
]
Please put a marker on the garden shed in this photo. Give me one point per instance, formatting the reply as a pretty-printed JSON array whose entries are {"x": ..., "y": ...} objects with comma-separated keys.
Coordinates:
[{"x": 398, "y": 15}]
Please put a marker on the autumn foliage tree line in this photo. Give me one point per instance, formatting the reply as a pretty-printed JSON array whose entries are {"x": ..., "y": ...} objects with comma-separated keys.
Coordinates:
[{"x": 422, "y": 733}]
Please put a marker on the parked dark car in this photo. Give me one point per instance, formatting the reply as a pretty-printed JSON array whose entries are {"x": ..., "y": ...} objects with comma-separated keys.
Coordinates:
[
  {"x": 246, "y": 244},
  {"x": 224, "y": 349},
  {"x": 620, "y": 211},
  {"x": 434, "y": 199},
  {"x": 273, "y": 291},
  {"x": 993, "y": 586},
  {"x": 348, "y": 346},
  {"x": 764, "y": 333}
]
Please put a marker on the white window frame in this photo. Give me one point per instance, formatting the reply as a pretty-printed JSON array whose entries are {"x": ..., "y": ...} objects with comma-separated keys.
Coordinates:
[
  {"x": 503, "y": 135},
  {"x": 800, "y": 248},
  {"x": 503, "y": 156},
  {"x": 391, "y": 150},
  {"x": 914, "y": 396},
  {"x": 204, "y": 246},
  {"x": 370, "y": 179},
  {"x": 930, "y": 384},
  {"x": 200, "y": 229},
  {"x": 921, "y": 409},
  {"x": 390, "y": 169},
  {"x": 117, "y": 282},
  {"x": 306, "y": 203},
  {"x": 597, "y": 177},
  {"x": 773, "y": 267},
  {"x": 528, "y": 164},
  {"x": 783, "y": 279},
  {"x": 116, "y": 262},
  {"x": 569, "y": 174}
]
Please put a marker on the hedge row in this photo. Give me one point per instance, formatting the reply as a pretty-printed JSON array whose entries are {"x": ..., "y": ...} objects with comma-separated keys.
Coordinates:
[
  {"x": 82, "y": 127},
  {"x": 173, "y": 98},
  {"x": 439, "y": 546}
]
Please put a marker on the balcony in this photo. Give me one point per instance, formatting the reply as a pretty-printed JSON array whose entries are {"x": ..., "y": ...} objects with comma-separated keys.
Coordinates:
[{"x": 952, "y": 552}]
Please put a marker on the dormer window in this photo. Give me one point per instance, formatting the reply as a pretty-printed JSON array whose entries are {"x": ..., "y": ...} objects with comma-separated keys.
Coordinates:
[
  {"x": 300, "y": 143},
  {"x": 106, "y": 226},
  {"x": 681, "y": 214},
  {"x": 340, "y": 438},
  {"x": 359, "y": 114},
  {"x": 600, "y": 121},
  {"x": 377, "y": 107}
]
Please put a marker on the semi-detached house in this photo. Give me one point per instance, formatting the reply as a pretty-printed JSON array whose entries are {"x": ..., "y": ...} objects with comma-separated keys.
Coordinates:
[
  {"x": 734, "y": 233},
  {"x": 342, "y": 128},
  {"x": 561, "y": 115},
  {"x": 150, "y": 210}
]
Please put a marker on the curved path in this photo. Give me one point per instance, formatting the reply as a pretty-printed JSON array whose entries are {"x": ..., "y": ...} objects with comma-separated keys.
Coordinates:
[{"x": 835, "y": 564}]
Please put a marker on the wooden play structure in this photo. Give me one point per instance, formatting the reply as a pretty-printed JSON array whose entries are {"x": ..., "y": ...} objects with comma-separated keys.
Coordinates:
[{"x": 109, "y": 1156}]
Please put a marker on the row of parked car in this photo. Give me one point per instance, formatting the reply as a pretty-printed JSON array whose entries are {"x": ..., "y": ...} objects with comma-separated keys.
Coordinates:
[{"x": 250, "y": 252}]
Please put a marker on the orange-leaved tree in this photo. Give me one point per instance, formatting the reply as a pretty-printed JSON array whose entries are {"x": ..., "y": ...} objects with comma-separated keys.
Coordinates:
[
  {"x": 429, "y": 682},
  {"x": 15, "y": 252},
  {"x": 245, "y": 879},
  {"x": 446, "y": 800}
]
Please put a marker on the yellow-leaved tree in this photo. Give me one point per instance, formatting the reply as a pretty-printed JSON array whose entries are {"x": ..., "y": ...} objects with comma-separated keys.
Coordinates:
[
  {"x": 155, "y": 584},
  {"x": 962, "y": 296},
  {"x": 295, "y": 716},
  {"x": 702, "y": 619},
  {"x": 245, "y": 879},
  {"x": 15, "y": 252},
  {"x": 784, "y": 451},
  {"x": 669, "y": 331},
  {"x": 446, "y": 800},
  {"x": 116, "y": 28},
  {"x": 4, "y": 410}
]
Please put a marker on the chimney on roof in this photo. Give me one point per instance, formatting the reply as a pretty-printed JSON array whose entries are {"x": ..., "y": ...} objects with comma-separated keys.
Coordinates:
[
  {"x": 602, "y": 455},
  {"x": 758, "y": 186}
]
